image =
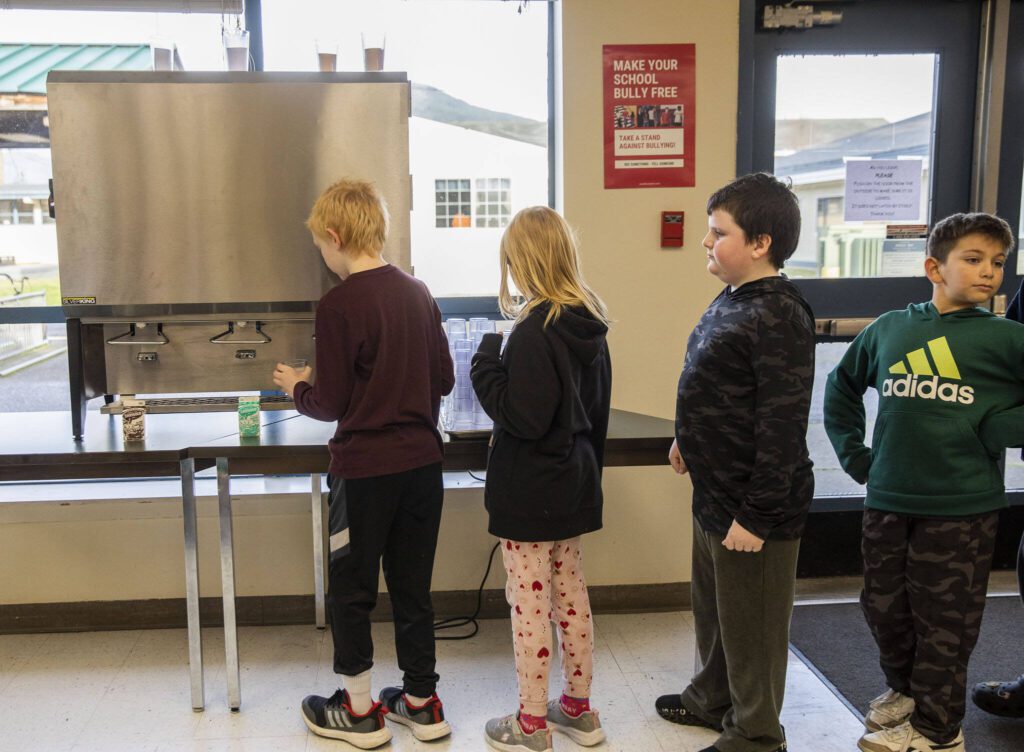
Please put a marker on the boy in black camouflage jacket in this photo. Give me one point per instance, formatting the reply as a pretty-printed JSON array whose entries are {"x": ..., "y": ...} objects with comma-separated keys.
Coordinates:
[{"x": 741, "y": 426}]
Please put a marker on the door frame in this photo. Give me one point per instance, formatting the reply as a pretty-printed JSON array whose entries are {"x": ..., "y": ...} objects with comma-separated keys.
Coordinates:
[{"x": 921, "y": 26}]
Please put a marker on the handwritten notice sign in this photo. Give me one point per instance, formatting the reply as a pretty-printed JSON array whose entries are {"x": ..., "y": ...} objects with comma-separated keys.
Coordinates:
[
  {"x": 649, "y": 115},
  {"x": 883, "y": 190}
]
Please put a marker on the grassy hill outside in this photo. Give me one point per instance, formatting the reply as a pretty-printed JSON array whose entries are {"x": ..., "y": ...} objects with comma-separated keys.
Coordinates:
[{"x": 433, "y": 104}]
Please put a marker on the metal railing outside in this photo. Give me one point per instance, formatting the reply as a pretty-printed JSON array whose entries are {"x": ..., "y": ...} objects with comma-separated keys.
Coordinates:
[{"x": 18, "y": 338}]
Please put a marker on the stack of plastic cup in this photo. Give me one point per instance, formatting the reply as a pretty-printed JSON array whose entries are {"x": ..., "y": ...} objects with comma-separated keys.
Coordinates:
[
  {"x": 461, "y": 408},
  {"x": 477, "y": 329}
]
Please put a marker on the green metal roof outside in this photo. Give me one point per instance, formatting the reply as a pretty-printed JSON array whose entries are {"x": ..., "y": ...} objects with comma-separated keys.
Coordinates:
[{"x": 23, "y": 67}]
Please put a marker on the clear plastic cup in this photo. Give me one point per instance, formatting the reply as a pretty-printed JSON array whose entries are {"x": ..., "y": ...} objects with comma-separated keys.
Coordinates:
[
  {"x": 327, "y": 55},
  {"x": 162, "y": 54},
  {"x": 236, "y": 49},
  {"x": 373, "y": 50},
  {"x": 456, "y": 327}
]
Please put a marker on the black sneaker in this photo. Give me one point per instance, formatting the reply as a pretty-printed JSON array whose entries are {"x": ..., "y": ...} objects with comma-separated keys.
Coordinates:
[
  {"x": 427, "y": 722},
  {"x": 333, "y": 718},
  {"x": 1004, "y": 699},
  {"x": 671, "y": 708}
]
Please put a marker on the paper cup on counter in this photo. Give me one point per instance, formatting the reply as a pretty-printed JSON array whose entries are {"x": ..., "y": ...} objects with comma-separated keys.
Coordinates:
[
  {"x": 248, "y": 416},
  {"x": 133, "y": 419}
]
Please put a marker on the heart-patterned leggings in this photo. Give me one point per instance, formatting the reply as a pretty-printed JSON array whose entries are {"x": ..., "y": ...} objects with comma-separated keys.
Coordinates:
[{"x": 545, "y": 584}]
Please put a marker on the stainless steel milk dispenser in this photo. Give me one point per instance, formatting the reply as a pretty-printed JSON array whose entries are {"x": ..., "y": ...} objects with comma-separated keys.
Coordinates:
[{"x": 180, "y": 198}]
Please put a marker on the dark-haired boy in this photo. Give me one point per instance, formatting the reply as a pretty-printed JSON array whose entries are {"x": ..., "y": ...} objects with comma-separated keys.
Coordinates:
[
  {"x": 741, "y": 426},
  {"x": 950, "y": 378}
]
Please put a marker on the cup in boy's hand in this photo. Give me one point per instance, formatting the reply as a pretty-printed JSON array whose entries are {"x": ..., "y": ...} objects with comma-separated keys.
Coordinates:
[{"x": 290, "y": 373}]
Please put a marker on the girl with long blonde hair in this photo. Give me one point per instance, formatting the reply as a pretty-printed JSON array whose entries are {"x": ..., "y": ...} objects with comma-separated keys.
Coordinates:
[{"x": 549, "y": 395}]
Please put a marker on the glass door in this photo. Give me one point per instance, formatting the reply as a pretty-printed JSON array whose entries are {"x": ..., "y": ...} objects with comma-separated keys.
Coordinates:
[{"x": 873, "y": 120}]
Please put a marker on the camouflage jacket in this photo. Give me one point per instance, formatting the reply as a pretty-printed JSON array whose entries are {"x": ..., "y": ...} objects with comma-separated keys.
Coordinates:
[{"x": 742, "y": 407}]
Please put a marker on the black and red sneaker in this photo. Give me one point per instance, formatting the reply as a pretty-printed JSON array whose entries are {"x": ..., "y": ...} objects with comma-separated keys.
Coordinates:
[
  {"x": 427, "y": 721},
  {"x": 333, "y": 717}
]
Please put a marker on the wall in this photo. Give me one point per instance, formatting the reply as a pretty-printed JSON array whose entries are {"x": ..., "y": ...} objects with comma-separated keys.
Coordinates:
[
  {"x": 656, "y": 296},
  {"x": 131, "y": 550}
]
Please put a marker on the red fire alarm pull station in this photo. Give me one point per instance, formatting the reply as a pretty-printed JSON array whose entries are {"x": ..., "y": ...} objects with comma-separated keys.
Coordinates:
[{"x": 671, "y": 229}]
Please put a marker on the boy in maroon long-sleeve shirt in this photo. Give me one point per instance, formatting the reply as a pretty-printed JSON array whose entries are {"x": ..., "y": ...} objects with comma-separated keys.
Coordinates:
[{"x": 382, "y": 367}]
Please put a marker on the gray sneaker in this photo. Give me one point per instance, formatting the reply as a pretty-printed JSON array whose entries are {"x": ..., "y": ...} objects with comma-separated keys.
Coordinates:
[
  {"x": 584, "y": 729},
  {"x": 505, "y": 734}
]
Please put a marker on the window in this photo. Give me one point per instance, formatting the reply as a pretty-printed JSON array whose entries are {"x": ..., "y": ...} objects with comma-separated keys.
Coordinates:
[
  {"x": 35, "y": 371},
  {"x": 454, "y": 208},
  {"x": 452, "y": 201},
  {"x": 830, "y": 480},
  {"x": 24, "y": 211},
  {"x": 493, "y": 205},
  {"x": 885, "y": 113},
  {"x": 474, "y": 120}
]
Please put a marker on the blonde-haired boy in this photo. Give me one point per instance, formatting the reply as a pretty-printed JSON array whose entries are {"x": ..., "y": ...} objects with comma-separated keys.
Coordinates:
[
  {"x": 382, "y": 366},
  {"x": 353, "y": 214}
]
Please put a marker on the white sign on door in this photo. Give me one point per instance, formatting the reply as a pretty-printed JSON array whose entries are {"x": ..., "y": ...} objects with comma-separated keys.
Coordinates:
[{"x": 883, "y": 190}]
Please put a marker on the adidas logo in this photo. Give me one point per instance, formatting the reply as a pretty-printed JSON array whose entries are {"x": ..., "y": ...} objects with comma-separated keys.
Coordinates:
[{"x": 915, "y": 382}]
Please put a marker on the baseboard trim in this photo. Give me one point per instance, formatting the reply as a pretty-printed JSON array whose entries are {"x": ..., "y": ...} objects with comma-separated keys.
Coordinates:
[{"x": 267, "y": 610}]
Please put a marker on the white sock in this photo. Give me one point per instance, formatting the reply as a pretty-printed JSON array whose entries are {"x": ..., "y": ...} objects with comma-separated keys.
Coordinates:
[
  {"x": 359, "y": 694},
  {"x": 416, "y": 702}
]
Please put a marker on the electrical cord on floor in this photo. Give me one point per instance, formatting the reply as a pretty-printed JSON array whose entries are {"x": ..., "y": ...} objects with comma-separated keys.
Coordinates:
[
  {"x": 475, "y": 477},
  {"x": 456, "y": 622}
]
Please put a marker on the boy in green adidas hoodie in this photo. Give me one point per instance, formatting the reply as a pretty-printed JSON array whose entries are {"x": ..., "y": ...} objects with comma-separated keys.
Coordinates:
[{"x": 950, "y": 379}]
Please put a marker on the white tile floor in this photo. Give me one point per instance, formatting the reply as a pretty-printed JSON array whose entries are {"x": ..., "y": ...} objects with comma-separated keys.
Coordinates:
[{"x": 113, "y": 691}]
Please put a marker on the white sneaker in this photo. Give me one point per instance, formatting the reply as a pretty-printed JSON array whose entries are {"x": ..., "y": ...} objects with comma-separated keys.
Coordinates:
[
  {"x": 888, "y": 710},
  {"x": 905, "y": 738}
]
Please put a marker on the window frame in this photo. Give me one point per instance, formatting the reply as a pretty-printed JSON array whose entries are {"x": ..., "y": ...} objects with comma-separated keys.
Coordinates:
[{"x": 758, "y": 51}]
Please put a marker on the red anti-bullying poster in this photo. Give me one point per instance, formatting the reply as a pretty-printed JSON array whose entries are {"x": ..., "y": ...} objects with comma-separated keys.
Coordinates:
[{"x": 649, "y": 115}]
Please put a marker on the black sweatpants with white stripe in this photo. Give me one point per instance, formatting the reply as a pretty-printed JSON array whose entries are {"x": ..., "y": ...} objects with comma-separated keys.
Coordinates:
[{"x": 394, "y": 520}]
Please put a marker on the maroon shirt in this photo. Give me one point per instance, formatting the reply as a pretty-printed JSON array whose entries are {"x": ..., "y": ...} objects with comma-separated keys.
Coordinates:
[{"x": 382, "y": 365}]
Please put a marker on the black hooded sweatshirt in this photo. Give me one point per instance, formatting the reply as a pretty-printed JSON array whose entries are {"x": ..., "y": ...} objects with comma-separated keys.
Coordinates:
[
  {"x": 742, "y": 409},
  {"x": 549, "y": 395}
]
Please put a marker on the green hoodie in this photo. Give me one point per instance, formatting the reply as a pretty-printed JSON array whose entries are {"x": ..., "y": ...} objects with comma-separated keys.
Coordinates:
[{"x": 951, "y": 400}]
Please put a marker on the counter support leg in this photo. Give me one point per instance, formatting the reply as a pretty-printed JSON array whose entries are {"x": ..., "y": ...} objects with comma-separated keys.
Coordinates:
[
  {"x": 227, "y": 576},
  {"x": 195, "y": 634},
  {"x": 317, "y": 501}
]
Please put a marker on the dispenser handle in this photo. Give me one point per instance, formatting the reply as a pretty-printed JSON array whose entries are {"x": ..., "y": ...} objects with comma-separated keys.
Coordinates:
[
  {"x": 226, "y": 338},
  {"x": 131, "y": 338}
]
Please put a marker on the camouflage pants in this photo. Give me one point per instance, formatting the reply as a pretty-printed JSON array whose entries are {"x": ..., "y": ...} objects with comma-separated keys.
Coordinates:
[{"x": 925, "y": 581}]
